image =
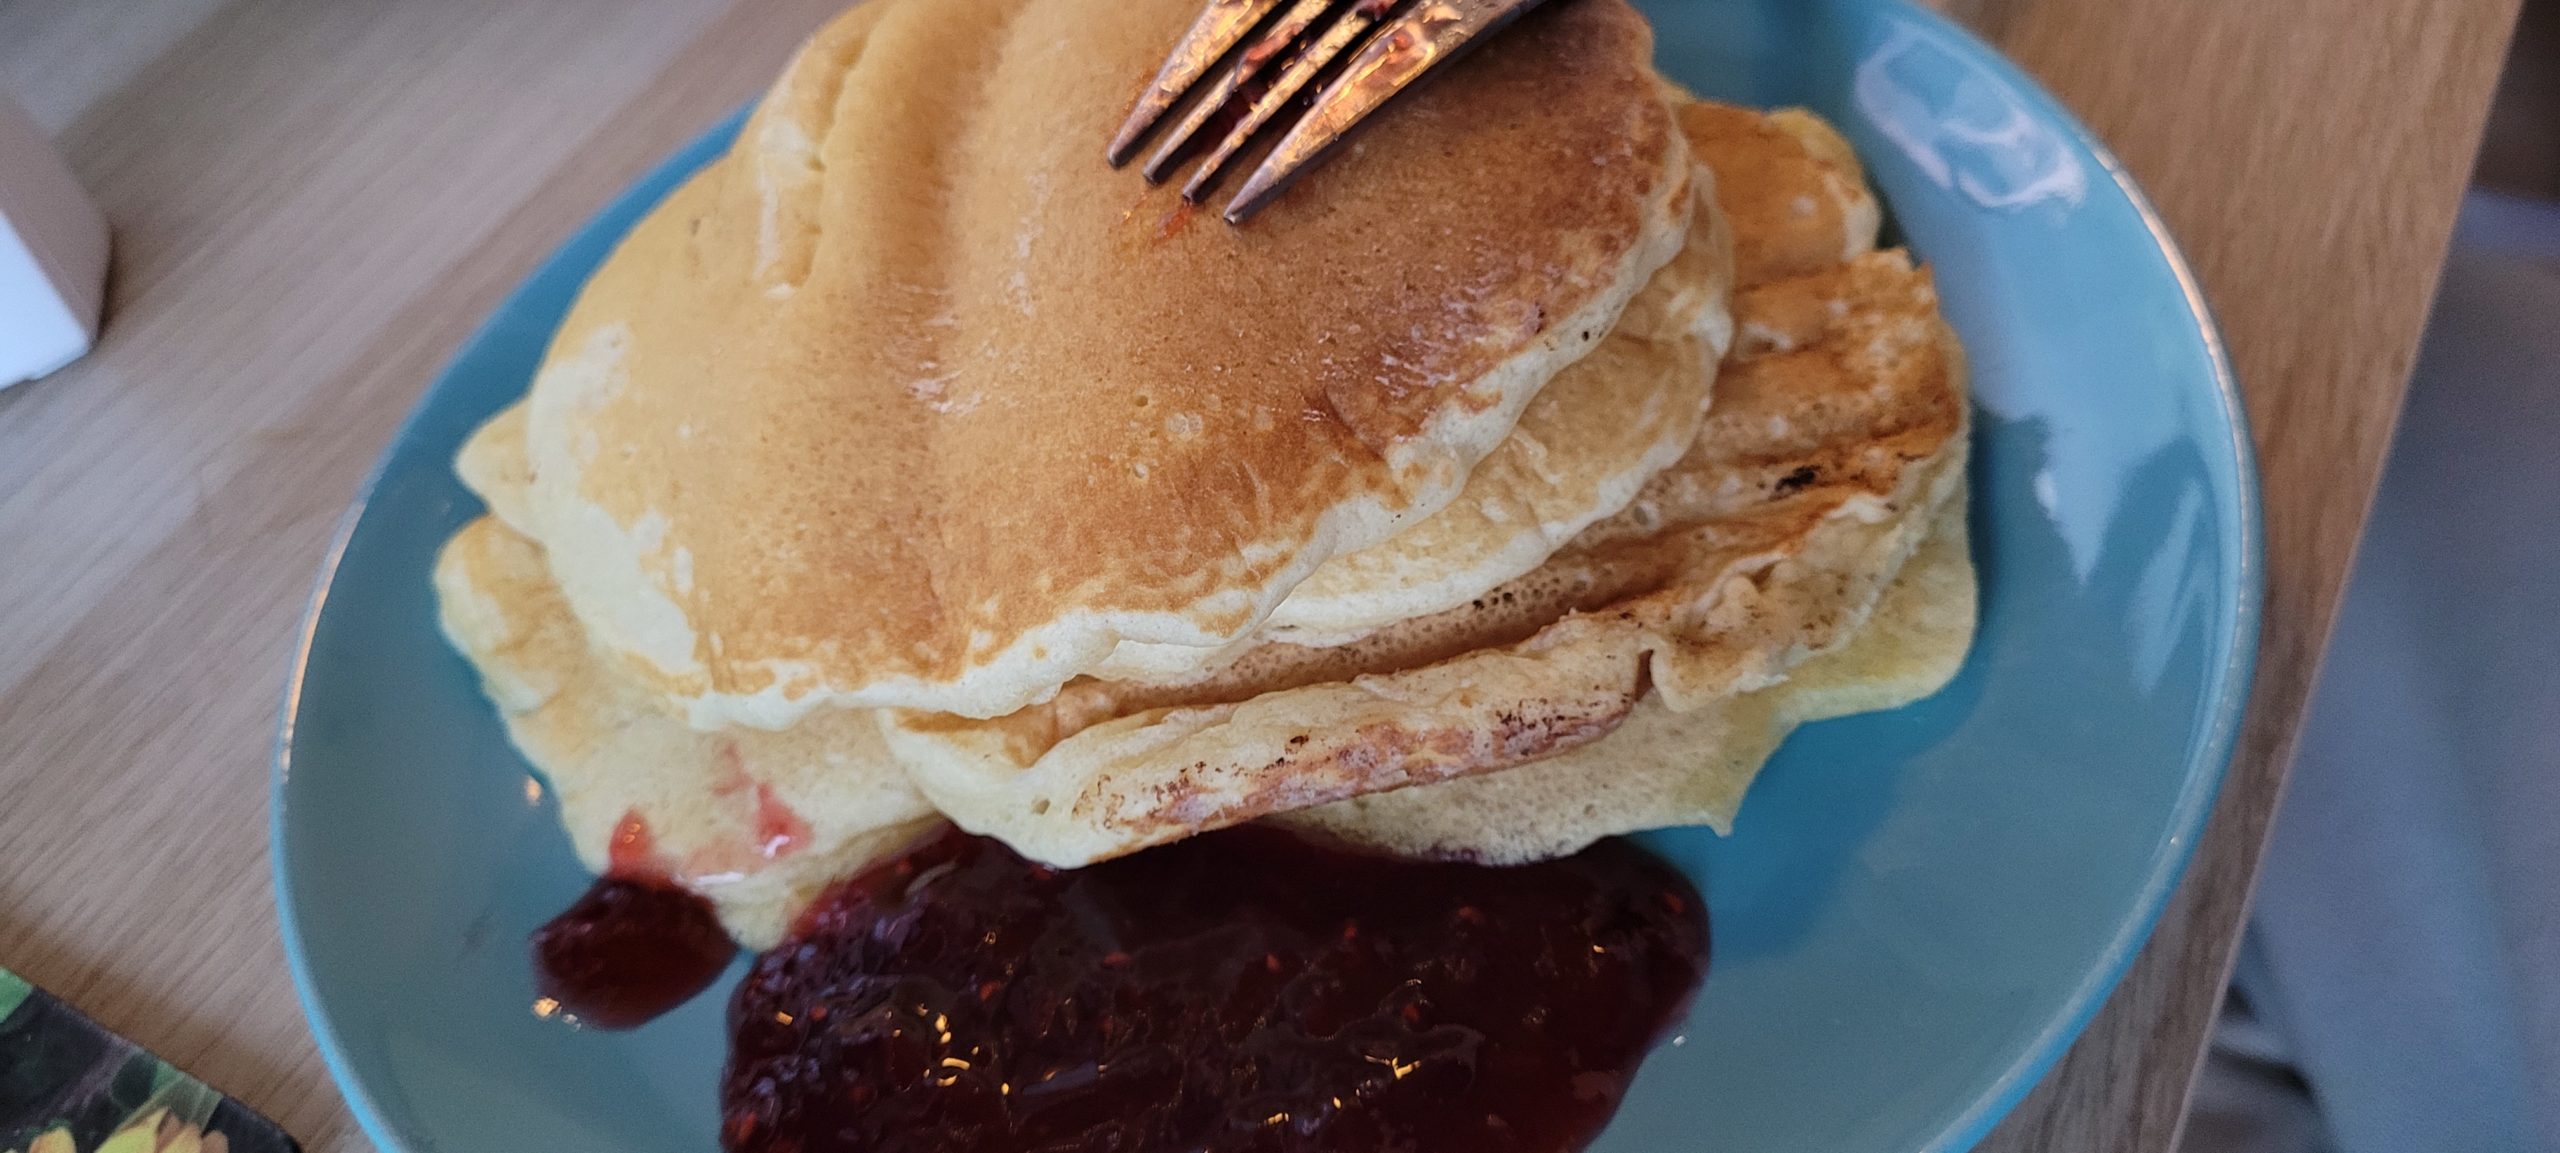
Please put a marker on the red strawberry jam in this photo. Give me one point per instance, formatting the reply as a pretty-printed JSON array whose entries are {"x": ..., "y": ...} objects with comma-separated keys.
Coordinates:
[
  {"x": 635, "y": 946},
  {"x": 1241, "y": 991},
  {"x": 628, "y": 951}
]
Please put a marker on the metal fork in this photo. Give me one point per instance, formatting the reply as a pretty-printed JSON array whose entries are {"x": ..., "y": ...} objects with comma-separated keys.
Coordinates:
[{"x": 1248, "y": 60}]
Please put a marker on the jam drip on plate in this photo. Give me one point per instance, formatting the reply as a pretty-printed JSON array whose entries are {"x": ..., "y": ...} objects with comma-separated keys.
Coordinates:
[
  {"x": 1244, "y": 990},
  {"x": 633, "y": 947}
]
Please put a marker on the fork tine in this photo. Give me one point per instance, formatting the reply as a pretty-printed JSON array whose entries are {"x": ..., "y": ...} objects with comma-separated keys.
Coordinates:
[
  {"x": 1248, "y": 64},
  {"x": 1429, "y": 34},
  {"x": 1293, "y": 78},
  {"x": 1216, "y": 30}
]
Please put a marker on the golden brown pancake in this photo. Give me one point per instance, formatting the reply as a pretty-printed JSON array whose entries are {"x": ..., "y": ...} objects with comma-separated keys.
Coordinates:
[
  {"x": 1632, "y": 677},
  {"x": 1583, "y": 447},
  {"x": 910, "y": 401},
  {"x": 1607, "y": 423},
  {"x": 622, "y": 756},
  {"x": 1836, "y": 436},
  {"x": 1795, "y": 182}
]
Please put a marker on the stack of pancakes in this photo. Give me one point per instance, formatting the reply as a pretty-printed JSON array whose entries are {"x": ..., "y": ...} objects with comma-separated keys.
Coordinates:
[{"x": 1523, "y": 477}]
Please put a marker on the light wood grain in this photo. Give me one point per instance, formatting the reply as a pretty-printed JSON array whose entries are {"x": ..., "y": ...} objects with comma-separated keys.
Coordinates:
[
  {"x": 315, "y": 202},
  {"x": 314, "y": 205}
]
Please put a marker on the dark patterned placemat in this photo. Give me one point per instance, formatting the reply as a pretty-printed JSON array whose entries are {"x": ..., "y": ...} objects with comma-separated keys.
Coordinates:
[{"x": 69, "y": 1086}]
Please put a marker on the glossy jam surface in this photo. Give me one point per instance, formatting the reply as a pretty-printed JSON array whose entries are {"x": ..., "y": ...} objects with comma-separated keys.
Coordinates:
[
  {"x": 632, "y": 948},
  {"x": 1239, "y": 991}
]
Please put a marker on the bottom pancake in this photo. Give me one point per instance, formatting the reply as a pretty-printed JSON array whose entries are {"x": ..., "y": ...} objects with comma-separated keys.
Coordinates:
[
  {"x": 624, "y": 767},
  {"x": 756, "y": 822}
]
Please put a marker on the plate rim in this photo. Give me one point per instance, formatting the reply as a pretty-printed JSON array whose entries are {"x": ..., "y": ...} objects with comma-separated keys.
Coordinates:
[
  {"x": 2207, "y": 770},
  {"x": 2238, "y": 672}
]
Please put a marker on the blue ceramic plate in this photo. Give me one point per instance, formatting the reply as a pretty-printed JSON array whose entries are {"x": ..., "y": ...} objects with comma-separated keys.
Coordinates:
[{"x": 1919, "y": 908}]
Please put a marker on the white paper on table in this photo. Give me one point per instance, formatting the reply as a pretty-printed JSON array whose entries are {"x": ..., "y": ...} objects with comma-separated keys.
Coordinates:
[{"x": 53, "y": 255}]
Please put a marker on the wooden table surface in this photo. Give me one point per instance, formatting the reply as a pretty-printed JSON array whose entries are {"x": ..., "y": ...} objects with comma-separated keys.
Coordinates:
[{"x": 315, "y": 202}]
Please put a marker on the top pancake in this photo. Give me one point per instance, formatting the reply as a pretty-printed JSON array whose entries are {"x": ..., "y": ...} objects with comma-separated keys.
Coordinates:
[
  {"x": 1594, "y": 435},
  {"x": 910, "y": 401}
]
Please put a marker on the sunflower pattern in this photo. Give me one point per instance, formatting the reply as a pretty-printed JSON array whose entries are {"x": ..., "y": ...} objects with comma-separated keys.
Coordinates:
[{"x": 157, "y": 1131}]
